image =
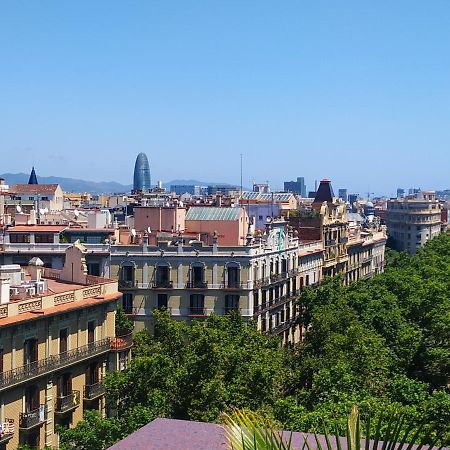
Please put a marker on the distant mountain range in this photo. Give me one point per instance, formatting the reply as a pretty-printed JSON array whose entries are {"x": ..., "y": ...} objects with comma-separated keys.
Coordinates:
[{"x": 94, "y": 187}]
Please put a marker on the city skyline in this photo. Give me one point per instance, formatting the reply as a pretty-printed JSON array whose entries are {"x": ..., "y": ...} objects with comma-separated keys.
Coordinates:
[{"x": 290, "y": 88}]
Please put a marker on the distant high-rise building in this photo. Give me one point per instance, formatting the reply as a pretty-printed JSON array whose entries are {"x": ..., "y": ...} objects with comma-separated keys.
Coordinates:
[
  {"x": 412, "y": 191},
  {"x": 400, "y": 193},
  {"x": 141, "y": 181},
  {"x": 343, "y": 194},
  {"x": 180, "y": 189},
  {"x": 298, "y": 187},
  {"x": 352, "y": 198}
]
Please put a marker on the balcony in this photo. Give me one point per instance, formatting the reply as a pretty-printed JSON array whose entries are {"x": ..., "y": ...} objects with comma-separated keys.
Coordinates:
[
  {"x": 197, "y": 311},
  {"x": 234, "y": 285},
  {"x": 122, "y": 342},
  {"x": 7, "y": 431},
  {"x": 127, "y": 284},
  {"x": 52, "y": 363},
  {"x": 67, "y": 402},
  {"x": 159, "y": 284},
  {"x": 32, "y": 419},
  {"x": 343, "y": 240},
  {"x": 93, "y": 391},
  {"x": 197, "y": 285},
  {"x": 261, "y": 282}
]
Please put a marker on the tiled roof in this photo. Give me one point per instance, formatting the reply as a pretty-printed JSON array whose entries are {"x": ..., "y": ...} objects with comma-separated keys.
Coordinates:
[
  {"x": 33, "y": 188},
  {"x": 171, "y": 434},
  {"x": 324, "y": 192},
  {"x": 267, "y": 197},
  {"x": 211, "y": 213},
  {"x": 37, "y": 229}
]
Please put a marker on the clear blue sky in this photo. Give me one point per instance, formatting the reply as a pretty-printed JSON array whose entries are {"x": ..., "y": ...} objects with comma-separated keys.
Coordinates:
[{"x": 357, "y": 91}]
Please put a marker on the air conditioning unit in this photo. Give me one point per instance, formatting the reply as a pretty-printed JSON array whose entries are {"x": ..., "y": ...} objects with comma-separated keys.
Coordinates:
[
  {"x": 31, "y": 291},
  {"x": 40, "y": 287},
  {"x": 13, "y": 291}
]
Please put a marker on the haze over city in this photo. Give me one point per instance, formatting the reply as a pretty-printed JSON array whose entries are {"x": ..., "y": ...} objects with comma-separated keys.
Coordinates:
[{"x": 356, "y": 92}]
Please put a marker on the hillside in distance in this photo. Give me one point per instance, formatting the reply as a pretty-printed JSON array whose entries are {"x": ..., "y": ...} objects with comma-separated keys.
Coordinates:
[{"x": 94, "y": 187}]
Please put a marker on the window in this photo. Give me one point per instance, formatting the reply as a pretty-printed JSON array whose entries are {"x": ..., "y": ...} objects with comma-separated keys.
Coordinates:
[
  {"x": 18, "y": 238},
  {"x": 31, "y": 398},
  {"x": 162, "y": 276},
  {"x": 127, "y": 303},
  {"x": 197, "y": 304},
  {"x": 231, "y": 302},
  {"x": 92, "y": 373},
  {"x": 64, "y": 385},
  {"x": 93, "y": 269},
  {"x": 41, "y": 238},
  {"x": 233, "y": 276},
  {"x": 1, "y": 360},
  {"x": 123, "y": 360},
  {"x": 255, "y": 300},
  {"x": 91, "y": 331},
  {"x": 127, "y": 273},
  {"x": 264, "y": 297},
  {"x": 30, "y": 351},
  {"x": 63, "y": 340},
  {"x": 162, "y": 301},
  {"x": 197, "y": 277}
]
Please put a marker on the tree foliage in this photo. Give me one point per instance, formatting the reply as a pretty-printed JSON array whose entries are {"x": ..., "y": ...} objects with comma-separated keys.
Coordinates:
[{"x": 383, "y": 344}]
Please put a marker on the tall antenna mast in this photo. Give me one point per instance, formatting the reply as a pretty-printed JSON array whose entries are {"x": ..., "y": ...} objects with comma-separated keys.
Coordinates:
[{"x": 241, "y": 176}]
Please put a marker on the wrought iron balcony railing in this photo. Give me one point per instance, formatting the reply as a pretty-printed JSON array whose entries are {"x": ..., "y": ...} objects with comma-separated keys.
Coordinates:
[
  {"x": 32, "y": 418},
  {"x": 67, "y": 402},
  {"x": 160, "y": 284},
  {"x": 197, "y": 285},
  {"x": 93, "y": 391},
  {"x": 127, "y": 284},
  {"x": 52, "y": 363}
]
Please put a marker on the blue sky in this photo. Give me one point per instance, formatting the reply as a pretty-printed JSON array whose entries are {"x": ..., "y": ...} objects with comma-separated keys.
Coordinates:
[{"x": 355, "y": 91}]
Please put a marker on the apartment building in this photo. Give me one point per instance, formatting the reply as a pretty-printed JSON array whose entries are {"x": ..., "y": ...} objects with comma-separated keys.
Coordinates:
[
  {"x": 21, "y": 243},
  {"x": 193, "y": 279},
  {"x": 413, "y": 220},
  {"x": 353, "y": 245},
  {"x": 57, "y": 341}
]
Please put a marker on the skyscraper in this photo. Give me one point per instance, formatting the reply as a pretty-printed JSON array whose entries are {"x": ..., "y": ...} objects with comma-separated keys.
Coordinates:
[
  {"x": 141, "y": 180},
  {"x": 297, "y": 187},
  {"x": 343, "y": 194}
]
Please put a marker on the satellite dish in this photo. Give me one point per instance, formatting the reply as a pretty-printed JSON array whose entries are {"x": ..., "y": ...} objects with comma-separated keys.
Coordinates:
[
  {"x": 149, "y": 230},
  {"x": 19, "y": 209},
  {"x": 45, "y": 210},
  {"x": 181, "y": 204},
  {"x": 167, "y": 204},
  {"x": 76, "y": 213},
  {"x": 133, "y": 232},
  {"x": 41, "y": 211}
]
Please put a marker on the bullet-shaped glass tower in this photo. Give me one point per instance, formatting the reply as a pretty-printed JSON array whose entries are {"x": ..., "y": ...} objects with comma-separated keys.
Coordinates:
[{"x": 141, "y": 174}]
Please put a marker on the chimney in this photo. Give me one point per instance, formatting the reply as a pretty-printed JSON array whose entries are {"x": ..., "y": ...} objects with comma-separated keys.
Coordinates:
[
  {"x": 219, "y": 200},
  {"x": 5, "y": 284},
  {"x": 36, "y": 268}
]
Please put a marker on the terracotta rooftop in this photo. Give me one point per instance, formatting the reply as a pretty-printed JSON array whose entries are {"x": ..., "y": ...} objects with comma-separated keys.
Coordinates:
[
  {"x": 33, "y": 188},
  {"x": 37, "y": 229},
  {"x": 45, "y": 312}
]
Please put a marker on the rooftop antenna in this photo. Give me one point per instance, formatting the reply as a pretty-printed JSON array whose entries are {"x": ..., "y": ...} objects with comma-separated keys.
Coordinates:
[{"x": 241, "y": 178}]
